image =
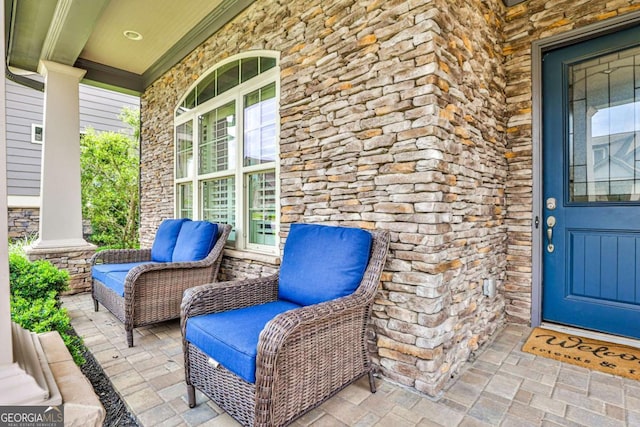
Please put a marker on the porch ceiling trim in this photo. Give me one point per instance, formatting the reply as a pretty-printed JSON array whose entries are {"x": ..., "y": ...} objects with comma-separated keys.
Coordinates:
[
  {"x": 58, "y": 31},
  {"x": 70, "y": 29},
  {"x": 106, "y": 77}
]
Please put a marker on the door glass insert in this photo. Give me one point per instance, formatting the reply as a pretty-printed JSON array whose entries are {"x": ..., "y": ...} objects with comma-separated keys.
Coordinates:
[{"x": 604, "y": 128}]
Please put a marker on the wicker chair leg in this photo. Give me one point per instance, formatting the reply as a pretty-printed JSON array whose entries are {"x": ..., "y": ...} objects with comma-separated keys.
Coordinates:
[
  {"x": 130, "y": 337},
  {"x": 191, "y": 396},
  {"x": 95, "y": 304},
  {"x": 372, "y": 383}
]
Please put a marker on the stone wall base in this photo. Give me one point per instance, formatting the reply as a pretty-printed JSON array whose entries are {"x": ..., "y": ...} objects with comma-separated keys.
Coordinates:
[
  {"x": 76, "y": 260},
  {"x": 23, "y": 223},
  {"x": 236, "y": 266}
]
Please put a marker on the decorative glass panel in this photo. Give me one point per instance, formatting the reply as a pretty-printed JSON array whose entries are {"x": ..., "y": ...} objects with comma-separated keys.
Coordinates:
[
  {"x": 223, "y": 78},
  {"x": 266, "y": 63},
  {"x": 188, "y": 103},
  {"x": 218, "y": 202},
  {"x": 206, "y": 89},
  {"x": 217, "y": 139},
  {"x": 604, "y": 126},
  {"x": 184, "y": 150},
  {"x": 260, "y": 126},
  {"x": 228, "y": 77},
  {"x": 249, "y": 68},
  {"x": 184, "y": 195},
  {"x": 262, "y": 208}
]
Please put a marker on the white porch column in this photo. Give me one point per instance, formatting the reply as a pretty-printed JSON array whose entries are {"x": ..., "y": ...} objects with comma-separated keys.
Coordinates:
[
  {"x": 60, "y": 206},
  {"x": 6, "y": 350}
]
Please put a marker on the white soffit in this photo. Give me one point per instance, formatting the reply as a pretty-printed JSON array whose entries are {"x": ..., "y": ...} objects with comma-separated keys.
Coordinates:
[{"x": 162, "y": 23}]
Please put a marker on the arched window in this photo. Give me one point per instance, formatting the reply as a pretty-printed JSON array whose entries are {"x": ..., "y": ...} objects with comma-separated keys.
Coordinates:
[{"x": 226, "y": 149}]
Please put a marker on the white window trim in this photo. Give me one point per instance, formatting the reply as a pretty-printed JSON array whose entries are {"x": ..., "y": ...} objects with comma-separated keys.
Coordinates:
[{"x": 239, "y": 172}]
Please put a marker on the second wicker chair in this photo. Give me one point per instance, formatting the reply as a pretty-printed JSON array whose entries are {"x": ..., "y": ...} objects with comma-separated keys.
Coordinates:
[{"x": 268, "y": 350}]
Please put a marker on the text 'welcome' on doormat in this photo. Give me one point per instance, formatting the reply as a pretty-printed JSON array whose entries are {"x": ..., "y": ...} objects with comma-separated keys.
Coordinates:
[{"x": 602, "y": 356}]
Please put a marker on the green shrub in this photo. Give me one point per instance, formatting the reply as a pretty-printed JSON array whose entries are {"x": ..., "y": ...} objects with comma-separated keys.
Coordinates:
[
  {"x": 44, "y": 315},
  {"x": 34, "y": 300},
  {"x": 34, "y": 280}
]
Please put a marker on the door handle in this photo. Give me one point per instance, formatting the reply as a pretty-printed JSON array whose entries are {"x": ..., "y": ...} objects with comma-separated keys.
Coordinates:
[{"x": 551, "y": 222}]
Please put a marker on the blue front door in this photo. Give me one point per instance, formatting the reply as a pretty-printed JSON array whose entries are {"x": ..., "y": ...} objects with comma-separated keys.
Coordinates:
[{"x": 591, "y": 184}]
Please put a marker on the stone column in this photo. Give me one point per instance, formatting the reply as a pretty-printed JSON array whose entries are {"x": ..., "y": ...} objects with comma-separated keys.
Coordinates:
[{"x": 60, "y": 238}]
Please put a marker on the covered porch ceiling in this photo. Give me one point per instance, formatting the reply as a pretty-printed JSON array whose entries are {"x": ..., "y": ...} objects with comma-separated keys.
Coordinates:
[{"x": 123, "y": 44}]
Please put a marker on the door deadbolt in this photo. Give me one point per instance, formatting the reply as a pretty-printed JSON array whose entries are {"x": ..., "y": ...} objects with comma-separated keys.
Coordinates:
[{"x": 551, "y": 203}]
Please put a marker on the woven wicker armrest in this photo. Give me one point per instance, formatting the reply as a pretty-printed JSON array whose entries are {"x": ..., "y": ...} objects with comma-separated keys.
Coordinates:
[
  {"x": 287, "y": 325},
  {"x": 306, "y": 354},
  {"x": 223, "y": 296},
  {"x": 121, "y": 256}
]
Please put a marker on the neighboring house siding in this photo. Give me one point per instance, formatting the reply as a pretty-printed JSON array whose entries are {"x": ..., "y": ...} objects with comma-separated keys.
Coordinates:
[
  {"x": 24, "y": 108},
  {"x": 392, "y": 117},
  {"x": 99, "y": 109}
]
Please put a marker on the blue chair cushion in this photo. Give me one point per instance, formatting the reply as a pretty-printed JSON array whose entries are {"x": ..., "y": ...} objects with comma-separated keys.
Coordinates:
[
  {"x": 321, "y": 263},
  {"x": 195, "y": 241},
  {"x": 231, "y": 337},
  {"x": 165, "y": 240},
  {"x": 113, "y": 275}
]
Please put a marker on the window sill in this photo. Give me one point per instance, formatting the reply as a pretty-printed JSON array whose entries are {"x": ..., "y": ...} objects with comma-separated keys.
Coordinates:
[{"x": 253, "y": 256}]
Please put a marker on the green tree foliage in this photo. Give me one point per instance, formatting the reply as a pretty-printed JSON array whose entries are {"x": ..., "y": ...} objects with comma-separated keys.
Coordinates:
[{"x": 110, "y": 165}]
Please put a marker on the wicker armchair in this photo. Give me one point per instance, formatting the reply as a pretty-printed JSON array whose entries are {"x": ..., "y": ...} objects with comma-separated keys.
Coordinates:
[
  {"x": 304, "y": 355},
  {"x": 153, "y": 290}
]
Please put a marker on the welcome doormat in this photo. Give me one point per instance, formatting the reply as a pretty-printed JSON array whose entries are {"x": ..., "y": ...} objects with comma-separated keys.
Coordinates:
[{"x": 602, "y": 356}]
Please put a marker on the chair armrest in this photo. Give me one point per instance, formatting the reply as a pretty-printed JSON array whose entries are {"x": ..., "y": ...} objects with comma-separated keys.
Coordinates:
[
  {"x": 326, "y": 339},
  {"x": 121, "y": 256},
  {"x": 223, "y": 296},
  {"x": 280, "y": 329},
  {"x": 178, "y": 275}
]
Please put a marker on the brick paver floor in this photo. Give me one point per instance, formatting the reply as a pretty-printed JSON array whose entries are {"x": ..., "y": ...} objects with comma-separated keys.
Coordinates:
[{"x": 501, "y": 387}]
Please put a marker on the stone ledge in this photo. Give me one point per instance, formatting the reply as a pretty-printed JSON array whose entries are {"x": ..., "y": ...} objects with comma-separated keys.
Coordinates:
[
  {"x": 81, "y": 405},
  {"x": 253, "y": 256}
]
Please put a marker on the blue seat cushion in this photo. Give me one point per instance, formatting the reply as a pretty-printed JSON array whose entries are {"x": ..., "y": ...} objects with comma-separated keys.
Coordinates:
[
  {"x": 113, "y": 275},
  {"x": 231, "y": 337},
  {"x": 195, "y": 241},
  {"x": 321, "y": 263},
  {"x": 165, "y": 240}
]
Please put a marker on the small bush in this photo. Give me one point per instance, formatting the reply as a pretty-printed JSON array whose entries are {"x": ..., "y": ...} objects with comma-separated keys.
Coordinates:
[
  {"x": 34, "y": 280},
  {"x": 34, "y": 300}
]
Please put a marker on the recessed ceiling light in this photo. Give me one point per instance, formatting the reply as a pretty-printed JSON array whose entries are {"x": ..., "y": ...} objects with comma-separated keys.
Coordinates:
[{"x": 132, "y": 35}]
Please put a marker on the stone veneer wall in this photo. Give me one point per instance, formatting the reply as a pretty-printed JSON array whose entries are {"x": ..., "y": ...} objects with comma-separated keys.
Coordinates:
[
  {"x": 77, "y": 261},
  {"x": 23, "y": 223},
  {"x": 236, "y": 268},
  {"x": 525, "y": 23},
  {"x": 391, "y": 118}
]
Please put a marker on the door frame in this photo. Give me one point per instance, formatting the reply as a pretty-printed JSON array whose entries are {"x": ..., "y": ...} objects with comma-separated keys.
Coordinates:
[{"x": 538, "y": 49}]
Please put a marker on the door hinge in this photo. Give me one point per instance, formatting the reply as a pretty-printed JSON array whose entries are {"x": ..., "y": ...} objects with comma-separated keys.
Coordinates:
[{"x": 536, "y": 222}]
